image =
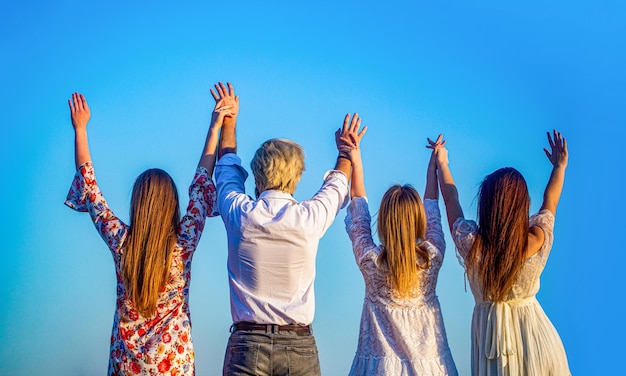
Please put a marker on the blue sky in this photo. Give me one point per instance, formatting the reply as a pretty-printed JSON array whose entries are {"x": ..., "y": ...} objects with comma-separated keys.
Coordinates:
[{"x": 492, "y": 77}]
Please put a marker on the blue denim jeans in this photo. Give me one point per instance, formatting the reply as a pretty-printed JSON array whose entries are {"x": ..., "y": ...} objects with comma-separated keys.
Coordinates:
[{"x": 263, "y": 353}]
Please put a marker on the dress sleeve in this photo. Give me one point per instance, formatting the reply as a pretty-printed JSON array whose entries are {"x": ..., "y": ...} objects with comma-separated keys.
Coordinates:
[
  {"x": 85, "y": 196},
  {"x": 545, "y": 221},
  {"x": 434, "y": 230},
  {"x": 463, "y": 235},
  {"x": 358, "y": 225},
  {"x": 202, "y": 200}
]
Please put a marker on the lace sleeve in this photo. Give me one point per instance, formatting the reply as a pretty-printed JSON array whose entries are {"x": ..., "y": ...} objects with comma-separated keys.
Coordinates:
[
  {"x": 434, "y": 231},
  {"x": 358, "y": 225},
  {"x": 202, "y": 199},
  {"x": 85, "y": 196},
  {"x": 545, "y": 221},
  {"x": 463, "y": 234}
]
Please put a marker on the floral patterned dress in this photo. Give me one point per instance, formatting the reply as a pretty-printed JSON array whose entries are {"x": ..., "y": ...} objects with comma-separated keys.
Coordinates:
[
  {"x": 161, "y": 344},
  {"x": 399, "y": 336}
]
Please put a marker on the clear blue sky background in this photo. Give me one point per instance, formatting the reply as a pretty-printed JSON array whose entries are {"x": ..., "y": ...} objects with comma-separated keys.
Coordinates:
[{"x": 491, "y": 76}]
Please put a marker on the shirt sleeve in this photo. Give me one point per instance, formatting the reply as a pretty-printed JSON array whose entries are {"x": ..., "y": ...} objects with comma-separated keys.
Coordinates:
[
  {"x": 434, "y": 230},
  {"x": 85, "y": 196},
  {"x": 463, "y": 235},
  {"x": 358, "y": 225},
  {"x": 328, "y": 201},
  {"x": 202, "y": 199},
  {"x": 230, "y": 178}
]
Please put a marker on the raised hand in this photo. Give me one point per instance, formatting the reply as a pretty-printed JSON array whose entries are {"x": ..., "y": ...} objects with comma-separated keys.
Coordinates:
[
  {"x": 79, "y": 111},
  {"x": 348, "y": 138},
  {"x": 439, "y": 149},
  {"x": 224, "y": 95},
  {"x": 558, "y": 155}
]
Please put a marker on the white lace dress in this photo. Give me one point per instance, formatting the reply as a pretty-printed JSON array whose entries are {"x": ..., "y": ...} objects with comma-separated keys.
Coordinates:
[
  {"x": 514, "y": 337},
  {"x": 399, "y": 336}
]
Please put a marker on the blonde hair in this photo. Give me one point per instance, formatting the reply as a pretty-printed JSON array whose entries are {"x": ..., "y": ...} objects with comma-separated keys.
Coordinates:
[
  {"x": 499, "y": 250},
  {"x": 401, "y": 227},
  {"x": 154, "y": 220},
  {"x": 278, "y": 164}
]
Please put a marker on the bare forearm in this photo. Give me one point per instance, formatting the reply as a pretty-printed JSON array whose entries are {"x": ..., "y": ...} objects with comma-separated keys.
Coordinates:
[
  {"x": 449, "y": 193},
  {"x": 344, "y": 165},
  {"x": 552, "y": 194},
  {"x": 81, "y": 147},
  {"x": 228, "y": 139},
  {"x": 357, "y": 186},
  {"x": 431, "y": 191},
  {"x": 207, "y": 160}
]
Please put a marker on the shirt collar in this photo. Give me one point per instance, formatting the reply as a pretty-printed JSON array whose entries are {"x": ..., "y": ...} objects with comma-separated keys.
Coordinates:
[{"x": 275, "y": 194}]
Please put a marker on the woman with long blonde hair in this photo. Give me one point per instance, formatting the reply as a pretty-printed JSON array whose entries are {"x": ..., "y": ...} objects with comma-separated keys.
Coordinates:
[
  {"x": 151, "y": 327},
  {"x": 402, "y": 330},
  {"x": 504, "y": 255}
]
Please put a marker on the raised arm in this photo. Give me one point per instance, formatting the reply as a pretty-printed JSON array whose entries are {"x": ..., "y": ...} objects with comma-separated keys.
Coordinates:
[
  {"x": 558, "y": 156},
  {"x": 80, "y": 114},
  {"x": 220, "y": 112},
  {"x": 446, "y": 182},
  {"x": 432, "y": 186},
  {"x": 348, "y": 141},
  {"x": 343, "y": 159},
  {"x": 228, "y": 138}
]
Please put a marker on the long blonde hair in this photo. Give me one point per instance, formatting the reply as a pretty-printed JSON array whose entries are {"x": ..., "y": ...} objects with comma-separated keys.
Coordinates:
[
  {"x": 499, "y": 250},
  {"x": 401, "y": 227},
  {"x": 154, "y": 220}
]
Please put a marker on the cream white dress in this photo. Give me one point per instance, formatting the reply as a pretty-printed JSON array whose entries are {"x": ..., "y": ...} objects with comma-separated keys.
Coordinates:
[
  {"x": 514, "y": 337},
  {"x": 399, "y": 336}
]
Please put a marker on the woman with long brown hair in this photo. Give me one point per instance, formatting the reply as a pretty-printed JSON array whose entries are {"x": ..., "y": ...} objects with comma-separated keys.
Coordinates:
[
  {"x": 504, "y": 255},
  {"x": 151, "y": 327},
  {"x": 402, "y": 330}
]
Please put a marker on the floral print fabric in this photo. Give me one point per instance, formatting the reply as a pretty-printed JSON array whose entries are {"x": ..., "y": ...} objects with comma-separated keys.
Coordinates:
[{"x": 161, "y": 344}]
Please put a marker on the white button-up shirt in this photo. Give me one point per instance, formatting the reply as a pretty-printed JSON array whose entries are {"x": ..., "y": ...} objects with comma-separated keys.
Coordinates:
[{"x": 272, "y": 244}]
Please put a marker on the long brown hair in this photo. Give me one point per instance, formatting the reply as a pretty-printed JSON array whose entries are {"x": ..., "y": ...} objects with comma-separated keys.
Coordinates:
[
  {"x": 498, "y": 252},
  {"x": 154, "y": 220},
  {"x": 401, "y": 225}
]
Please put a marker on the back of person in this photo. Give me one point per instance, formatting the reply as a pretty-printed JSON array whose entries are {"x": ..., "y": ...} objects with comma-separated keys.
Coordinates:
[{"x": 401, "y": 329}]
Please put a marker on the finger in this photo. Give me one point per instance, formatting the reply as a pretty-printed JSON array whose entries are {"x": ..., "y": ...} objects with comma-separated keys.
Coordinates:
[
  {"x": 439, "y": 138},
  {"x": 219, "y": 91},
  {"x": 223, "y": 89},
  {"x": 214, "y": 95},
  {"x": 231, "y": 90},
  {"x": 71, "y": 104},
  {"x": 550, "y": 140},
  {"x": 564, "y": 145},
  {"x": 362, "y": 132},
  {"x": 355, "y": 118},
  {"x": 345, "y": 123},
  {"x": 83, "y": 102},
  {"x": 444, "y": 143},
  {"x": 356, "y": 126},
  {"x": 77, "y": 102},
  {"x": 237, "y": 99},
  {"x": 548, "y": 154}
]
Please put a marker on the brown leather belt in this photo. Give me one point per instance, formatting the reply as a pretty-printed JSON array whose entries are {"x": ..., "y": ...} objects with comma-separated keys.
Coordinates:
[{"x": 271, "y": 328}]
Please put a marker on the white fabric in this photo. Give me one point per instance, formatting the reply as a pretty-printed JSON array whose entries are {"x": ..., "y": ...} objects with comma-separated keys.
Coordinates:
[
  {"x": 514, "y": 337},
  {"x": 272, "y": 245},
  {"x": 399, "y": 336}
]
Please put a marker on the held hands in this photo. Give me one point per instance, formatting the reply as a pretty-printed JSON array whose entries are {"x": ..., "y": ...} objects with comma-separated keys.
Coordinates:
[
  {"x": 79, "y": 111},
  {"x": 226, "y": 103},
  {"x": 559, "y": 156},
  {"x": 439, "y": 150},
  {"x": 348, "y": 138}
]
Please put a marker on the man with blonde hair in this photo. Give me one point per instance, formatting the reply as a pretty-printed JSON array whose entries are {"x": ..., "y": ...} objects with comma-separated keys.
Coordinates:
[{"x": 272, "y": 245}]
